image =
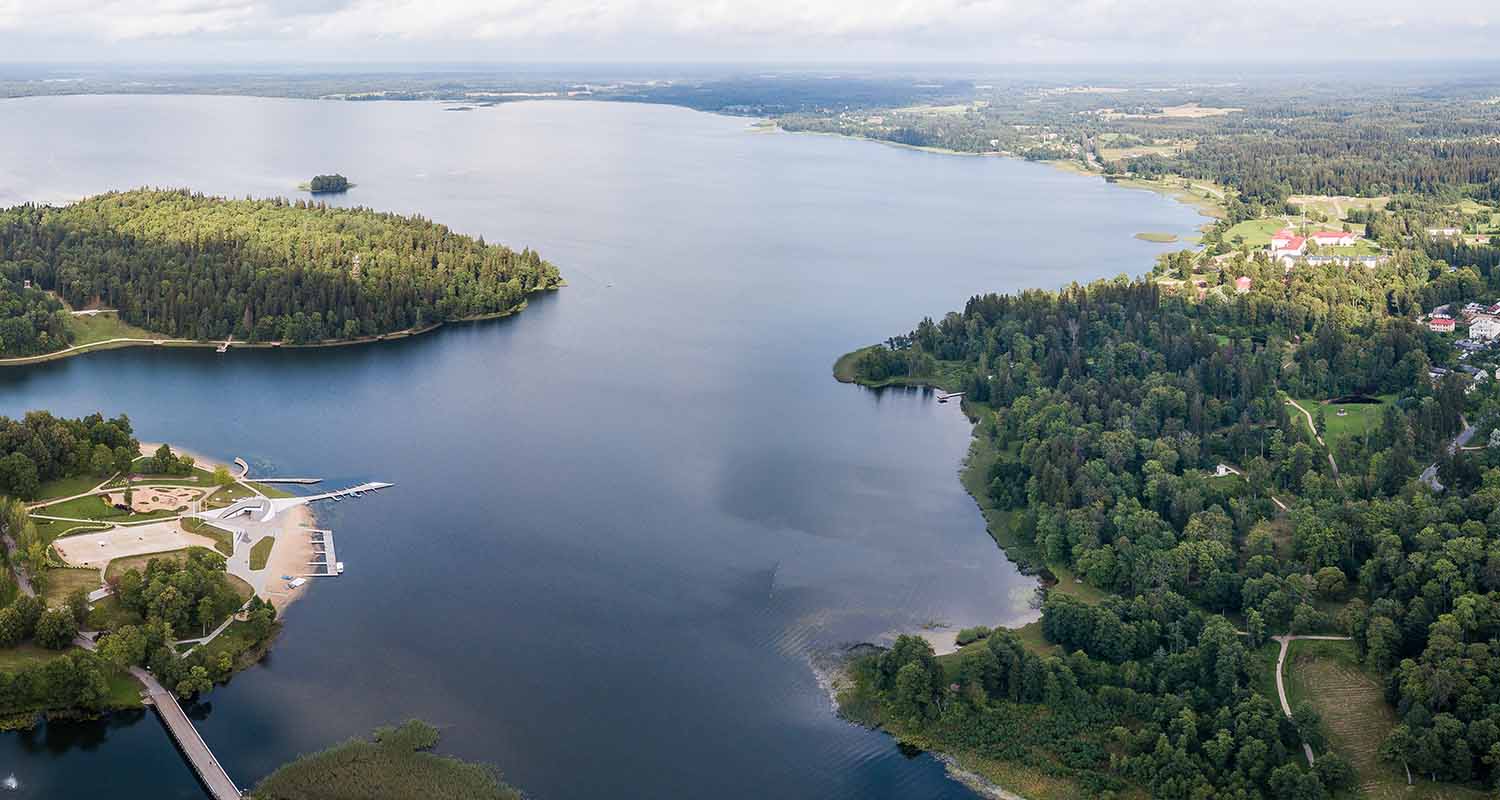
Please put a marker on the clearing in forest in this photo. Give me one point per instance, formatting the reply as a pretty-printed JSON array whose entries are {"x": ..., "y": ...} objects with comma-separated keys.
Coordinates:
[{"x": 1356, "y": 719}]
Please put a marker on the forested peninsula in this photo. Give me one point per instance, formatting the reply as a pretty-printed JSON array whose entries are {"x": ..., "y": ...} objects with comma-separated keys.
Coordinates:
[
  {"x": 177, "y": 267},
  {"x": 1197, "y": 472}
]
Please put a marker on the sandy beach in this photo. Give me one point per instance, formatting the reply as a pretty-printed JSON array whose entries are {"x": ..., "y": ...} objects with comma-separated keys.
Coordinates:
[{"x": 289, "y": 556}]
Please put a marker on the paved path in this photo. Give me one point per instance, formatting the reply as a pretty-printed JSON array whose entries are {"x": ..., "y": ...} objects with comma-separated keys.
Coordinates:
[
  {"x": 1429, "y": 475},
  {"x": 1286, "y": 708},
  {"x": 1314, "y": 428}
]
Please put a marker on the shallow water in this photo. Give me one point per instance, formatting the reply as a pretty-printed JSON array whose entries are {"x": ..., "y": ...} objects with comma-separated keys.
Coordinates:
[{"x": 625, "y": 519}]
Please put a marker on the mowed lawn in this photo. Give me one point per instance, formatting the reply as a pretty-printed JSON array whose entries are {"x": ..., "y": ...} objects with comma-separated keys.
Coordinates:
[
  {"x": 1356, "y": 719},
  {"x": 1254, "y": 232},
  {"x": 1358, "y": 417}
]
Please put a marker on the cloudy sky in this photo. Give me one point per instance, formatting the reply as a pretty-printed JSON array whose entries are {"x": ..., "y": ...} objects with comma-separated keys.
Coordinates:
[{"x": 996, "y": 31}]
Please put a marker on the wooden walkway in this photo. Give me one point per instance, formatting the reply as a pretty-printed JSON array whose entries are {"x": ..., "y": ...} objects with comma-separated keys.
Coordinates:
[{"x": 188, "y": 741}]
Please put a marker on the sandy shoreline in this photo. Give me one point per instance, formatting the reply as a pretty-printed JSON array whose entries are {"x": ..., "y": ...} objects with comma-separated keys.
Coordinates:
[{"x": 289, "y": 556}]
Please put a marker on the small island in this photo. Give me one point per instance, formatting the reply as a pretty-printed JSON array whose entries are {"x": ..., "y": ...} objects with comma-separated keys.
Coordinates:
[{"x": 327, "y": 184}]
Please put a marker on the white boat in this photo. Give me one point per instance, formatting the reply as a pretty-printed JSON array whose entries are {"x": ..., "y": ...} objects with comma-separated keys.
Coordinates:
[
  {"x": 339, "y": 568},
  {"x": 296, "y": 582}
]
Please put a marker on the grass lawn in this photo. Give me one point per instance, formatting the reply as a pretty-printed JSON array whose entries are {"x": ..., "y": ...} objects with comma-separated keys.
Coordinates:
[
  {"x": 99, "y": 327},
  {"x": 50, "y": 530},
  {"x": 59, "y": 582},
  {"x": 228, "y": 495},
  {"x": 261, "y": 552},
  {"x": 223, "y": 540},
  {"x": 1358, "y": 417},
  {"x": 25, "y": 655},
  {"x": 200, "y": 477},
  {"x": 97, "y": 507},
  {"x": 1356, "y": 718},
  {"x": 1335, "y": 207},
  {"x": 67, "y": 487},
  {"x": 124, "y": 690},
  {"x": 1254, "y": 232}
]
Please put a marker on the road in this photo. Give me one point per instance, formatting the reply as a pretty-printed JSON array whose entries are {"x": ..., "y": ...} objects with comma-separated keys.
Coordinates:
[
  {"x": 1429, "y": 475},
  {"x": 1286, "y": 708}
]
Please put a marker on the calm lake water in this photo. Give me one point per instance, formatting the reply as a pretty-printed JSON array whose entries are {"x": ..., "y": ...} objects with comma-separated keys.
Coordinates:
[{"x": 625, "y": 520}]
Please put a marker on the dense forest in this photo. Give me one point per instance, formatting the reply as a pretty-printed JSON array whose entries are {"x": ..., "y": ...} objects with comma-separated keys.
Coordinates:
[
  {"x": 1108, "y": 408},
  {"x": 197, "y": 267}
]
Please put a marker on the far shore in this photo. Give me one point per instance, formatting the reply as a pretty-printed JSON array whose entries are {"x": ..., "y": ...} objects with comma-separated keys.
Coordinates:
[
  {"x": 114, "y": 344},
  {"x": 1182, "y": 194}
]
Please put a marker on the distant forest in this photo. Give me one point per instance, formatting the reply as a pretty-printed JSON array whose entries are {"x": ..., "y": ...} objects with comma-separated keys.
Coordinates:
[{"x": 192, "y": 266}]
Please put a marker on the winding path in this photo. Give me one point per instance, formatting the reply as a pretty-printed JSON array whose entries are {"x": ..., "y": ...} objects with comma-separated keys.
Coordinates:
[
  {"x": 1286, "y": 708},
  {"x": 1314, "y": 428}
]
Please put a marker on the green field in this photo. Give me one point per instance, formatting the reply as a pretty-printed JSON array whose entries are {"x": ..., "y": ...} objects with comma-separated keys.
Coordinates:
[
  {"x": 1254, "y": 232},
  {"x": 1356, "y": 718},
  {"x": 261, "y": 552},
  {"x": 1357, "y": 420},
  {"x": 99, "y": 327},
  {"x": 58, "y": 583},
  {"x": 67, "y": 487},
  {"x": 97, "y": 507}
]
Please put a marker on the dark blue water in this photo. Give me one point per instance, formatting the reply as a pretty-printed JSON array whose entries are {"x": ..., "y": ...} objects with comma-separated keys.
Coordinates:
[{"x": 626, "y": 519}]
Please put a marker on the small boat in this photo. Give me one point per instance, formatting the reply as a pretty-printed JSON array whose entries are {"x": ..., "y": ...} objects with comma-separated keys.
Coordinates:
[{"x": 339, "y": 567}]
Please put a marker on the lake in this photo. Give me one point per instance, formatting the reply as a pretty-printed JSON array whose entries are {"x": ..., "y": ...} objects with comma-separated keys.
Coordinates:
[{"x": 625, "y": 520}]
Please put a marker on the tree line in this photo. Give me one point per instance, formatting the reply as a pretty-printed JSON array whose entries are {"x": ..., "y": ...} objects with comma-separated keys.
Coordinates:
[{"x": 193, "y": 266}]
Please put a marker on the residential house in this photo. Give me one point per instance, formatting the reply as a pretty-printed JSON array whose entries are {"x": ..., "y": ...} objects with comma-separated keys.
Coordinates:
[
  {"x": 1241, "y": 284},
  {"x": 1441, "y": 324}
]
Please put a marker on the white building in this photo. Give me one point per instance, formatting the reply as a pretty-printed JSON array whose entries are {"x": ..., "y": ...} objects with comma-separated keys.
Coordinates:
[{"x": 1485, "y": 327}]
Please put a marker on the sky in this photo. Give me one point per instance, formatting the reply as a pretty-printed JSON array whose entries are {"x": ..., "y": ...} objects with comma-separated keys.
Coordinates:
[{"x": 975, "y": 31}]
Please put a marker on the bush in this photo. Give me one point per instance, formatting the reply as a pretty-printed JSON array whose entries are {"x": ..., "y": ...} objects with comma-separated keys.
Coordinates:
[{"x": 974, "y": 634}]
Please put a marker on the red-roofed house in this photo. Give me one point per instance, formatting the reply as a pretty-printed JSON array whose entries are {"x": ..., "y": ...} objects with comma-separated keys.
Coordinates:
[
  {"x": 1290, "y": 249},
  {"x": 1280, "y": 238},
  {"x": 1334, "y": 238},
  {"x": 1241, "y": 284},
  {"x": 1441, "y": 324}
]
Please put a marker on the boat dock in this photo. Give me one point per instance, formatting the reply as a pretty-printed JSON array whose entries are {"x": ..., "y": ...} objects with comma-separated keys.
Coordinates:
[
  {"x": 324, "y": 563},
  {"x": 286, "y": 480}
]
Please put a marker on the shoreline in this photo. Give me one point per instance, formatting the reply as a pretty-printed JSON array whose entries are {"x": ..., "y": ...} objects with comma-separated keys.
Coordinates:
[
  {"x": 1212, "y": 209},
  {"x": 832, "y": 672},
  {"x": 119, "y": 344}
]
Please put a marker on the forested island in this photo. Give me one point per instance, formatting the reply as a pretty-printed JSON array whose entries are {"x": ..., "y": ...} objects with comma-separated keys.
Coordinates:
[
  {"x": 328, "y": 184},
  {"x": 1228, "y": 449},
  {"x": 175, "y": 267}
]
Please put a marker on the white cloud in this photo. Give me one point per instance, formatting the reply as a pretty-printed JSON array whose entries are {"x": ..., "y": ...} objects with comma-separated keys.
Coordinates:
[{"x": 748, "y": 29}]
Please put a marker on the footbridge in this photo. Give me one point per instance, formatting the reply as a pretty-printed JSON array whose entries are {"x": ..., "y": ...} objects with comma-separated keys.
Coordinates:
[
  {"x": 202, "y": 759},
  {"x": 209, "y": 770}
]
